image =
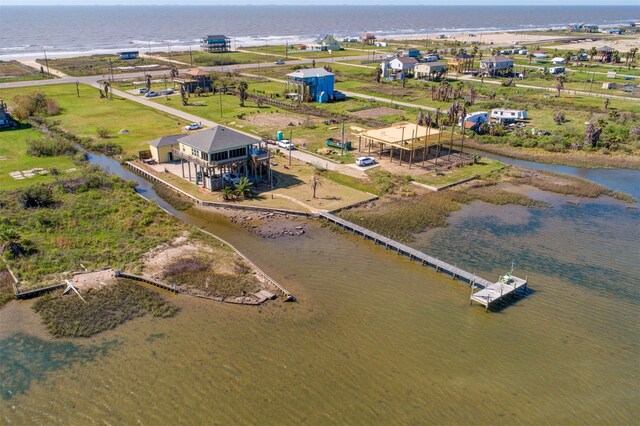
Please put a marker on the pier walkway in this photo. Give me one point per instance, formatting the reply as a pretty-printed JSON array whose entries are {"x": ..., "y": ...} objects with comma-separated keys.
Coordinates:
[{"x": 489, "y": 293}]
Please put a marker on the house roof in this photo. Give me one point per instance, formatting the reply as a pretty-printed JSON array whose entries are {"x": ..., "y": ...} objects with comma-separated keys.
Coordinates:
[
  {"x": 431, "y": 64},
  {"x": 310, "y": 72},
  {"x": 497, "y": 58},
  {"x": 196, "y": 72},
  {"x": 216, "y": 37},
  {"x": 606, "y": 49},
  {"x": 166, "y": 140},
  {"x": 464, "y": 55},
  {"x": 321, "y": 38},
  {"x": 407, "y": 60},
  {"x": 218, "y": 138}
]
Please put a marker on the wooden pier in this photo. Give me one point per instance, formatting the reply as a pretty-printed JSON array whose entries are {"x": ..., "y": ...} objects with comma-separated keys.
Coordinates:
[{"x": 489, "y": 292}]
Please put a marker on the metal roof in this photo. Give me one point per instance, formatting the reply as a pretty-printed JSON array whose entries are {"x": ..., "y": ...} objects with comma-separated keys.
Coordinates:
[
  {"x": 218, "y": 138},
  {"x": 216, "y": 37},
  {"x": 310, "y": 72},
  {"x": 497, "y": 58},
  {"x": 166, "y": 140}
]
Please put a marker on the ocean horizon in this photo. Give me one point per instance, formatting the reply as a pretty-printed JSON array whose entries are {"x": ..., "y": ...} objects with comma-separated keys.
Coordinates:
[{"x": 85, "y": 30}]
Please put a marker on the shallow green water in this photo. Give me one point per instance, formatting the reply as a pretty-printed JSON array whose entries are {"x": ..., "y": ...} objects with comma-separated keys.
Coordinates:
[{"x": 375, "y": 338}]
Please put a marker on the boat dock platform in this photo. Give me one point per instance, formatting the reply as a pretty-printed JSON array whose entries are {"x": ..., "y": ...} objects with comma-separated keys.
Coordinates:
[
  {"x": 507, "y": 286},
  {"x": 489, "y": 292}
]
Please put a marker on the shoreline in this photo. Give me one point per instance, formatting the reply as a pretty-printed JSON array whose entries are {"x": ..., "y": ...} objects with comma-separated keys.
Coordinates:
[{"x": 458, "y": 34}]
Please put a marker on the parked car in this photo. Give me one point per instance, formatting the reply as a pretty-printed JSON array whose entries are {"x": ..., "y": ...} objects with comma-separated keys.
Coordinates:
[
  {"x": 143, "y": 90},
  {"x": 192, "y": 126},
  {"x": 231, "y": 178},
  {"x": 365, "y": 161},
  {"x": 286, "y": 144},
  {"x": 151, "y": 94},
  {"x": 279, "y": 62}
]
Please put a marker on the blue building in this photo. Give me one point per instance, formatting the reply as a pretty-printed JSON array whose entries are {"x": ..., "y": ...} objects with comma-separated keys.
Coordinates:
[
  {"x": 132, "y": 54},
  {"x": 314, "y": 84},
  {"x": 215, "y": 43}
]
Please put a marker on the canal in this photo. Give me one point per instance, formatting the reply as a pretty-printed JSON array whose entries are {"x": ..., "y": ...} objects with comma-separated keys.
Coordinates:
[{"x": 374, "y": 338}]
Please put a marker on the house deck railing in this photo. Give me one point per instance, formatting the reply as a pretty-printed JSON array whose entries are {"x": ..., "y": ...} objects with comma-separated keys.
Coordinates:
[{"x": 259, "y": 156}]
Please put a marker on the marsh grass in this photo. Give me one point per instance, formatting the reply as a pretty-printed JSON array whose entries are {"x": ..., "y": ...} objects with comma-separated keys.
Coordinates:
[
  {"x": 6, "y": 289},
  {"x": 401, "y": 218},
  {"x": 105, "y": 308},
  {"x": 564, "y": 184},
  {"x": 202, "y": 274},
  {"x": 177, "y": 201}
]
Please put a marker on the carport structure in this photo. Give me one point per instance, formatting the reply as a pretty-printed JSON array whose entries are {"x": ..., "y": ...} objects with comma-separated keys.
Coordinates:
[{"x": 409, "y": 143}]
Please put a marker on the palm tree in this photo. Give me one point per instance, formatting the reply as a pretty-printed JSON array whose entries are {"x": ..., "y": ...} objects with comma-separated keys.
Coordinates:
[
  {"x": 10, "y": 239},
  {"x": 452, "y": 115},
  {"x": 438, "y": 145},
  {"x": 242, "y": 92},
  {"x": 567, "y": 58},
  {"x": 463, "y": 114},
  {"x": 633, "y": 52},
  {"x": 592, "y": 53},
  {"x": 427, "y": 122},
  {"x": 228, "y": 193},
  {"x": 530, "y": 56},
  {"x": 243, "y": 188},
  {"x": 559, "y": 85},
  {"x": 316, "y": 182}
]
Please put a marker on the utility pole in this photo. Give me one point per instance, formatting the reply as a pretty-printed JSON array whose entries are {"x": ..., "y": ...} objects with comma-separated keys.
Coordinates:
[
  {"x": 190, "y": 56},
  {"x": 78, "y": 88},
  {"x": 46, "y": 61},
  {"x": 166, "y": 95},
  {"x": 291, "y": 146},
  {"x": 110, "y": 80},
  {"x": 220, "y": 90}
]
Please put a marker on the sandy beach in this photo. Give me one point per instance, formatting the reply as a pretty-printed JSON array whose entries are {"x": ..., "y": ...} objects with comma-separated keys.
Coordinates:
[{"x": 505, "y": 38}]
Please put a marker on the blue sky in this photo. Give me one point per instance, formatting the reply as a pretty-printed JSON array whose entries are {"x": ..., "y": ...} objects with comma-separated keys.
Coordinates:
[{"x": 333, "y": 2}]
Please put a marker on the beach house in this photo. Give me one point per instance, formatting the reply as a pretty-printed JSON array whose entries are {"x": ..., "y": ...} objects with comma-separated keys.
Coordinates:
[
  {"x": 462, "y": 63},
  {"x": 367, "y": 39},
  {"x": 161, "y": 148},
  {"x": 411, "y": 52},
  {"x": 193, "y": 79},
  {"x": 213, "y": 155},
  {"x": 558, "y": 61},
  {"x": 398, "y": 68},
  {"x": 215, "y": 43},
  {"x": 313, "y": 84},
  {"x": 497, "y": 65},
  {"x": 130, "y": 54},
  {"x": 604, "y": 54},
  {"x": 324, "y": 42},
  {"x": 430, "y": 70}
]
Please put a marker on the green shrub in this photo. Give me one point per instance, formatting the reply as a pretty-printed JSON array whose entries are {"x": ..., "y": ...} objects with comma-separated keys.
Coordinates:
[{"x": 36, "y": 196}]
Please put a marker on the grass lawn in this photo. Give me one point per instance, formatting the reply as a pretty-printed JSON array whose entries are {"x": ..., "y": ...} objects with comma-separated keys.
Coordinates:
[
  {"x": 99, "y": 64},
  {"x": 83, "y": 115},
  {"x": 292, "y": 190},
  {"x": 15, "y": 71},
  {"x": 448, "y": 177},
  {"x": 13, "y": 157},
  {"x": 206, "y": 59}
]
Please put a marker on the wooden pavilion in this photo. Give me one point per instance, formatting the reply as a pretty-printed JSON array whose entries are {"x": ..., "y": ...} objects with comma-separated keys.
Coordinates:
[{"x": 409, "y": 143}]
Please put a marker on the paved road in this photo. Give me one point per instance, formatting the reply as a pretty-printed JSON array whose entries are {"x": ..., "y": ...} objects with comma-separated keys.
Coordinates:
[{"x": 298, "y": 155}]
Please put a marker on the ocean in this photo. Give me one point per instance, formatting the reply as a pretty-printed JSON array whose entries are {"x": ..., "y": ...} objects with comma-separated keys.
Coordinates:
[{"x": 84, "y": 30}]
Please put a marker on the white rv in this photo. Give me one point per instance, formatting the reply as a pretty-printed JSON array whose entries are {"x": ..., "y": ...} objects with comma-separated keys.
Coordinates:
[{"x": 508, "y": 115}]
